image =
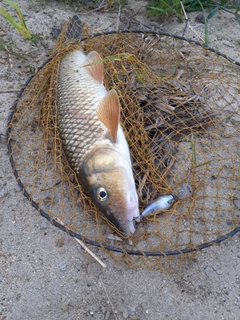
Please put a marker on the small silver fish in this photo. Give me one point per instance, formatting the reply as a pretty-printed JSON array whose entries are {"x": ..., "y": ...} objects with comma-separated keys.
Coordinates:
[
  {"x": 93, "y": 140},
  {"x": 162, "y": 203}
]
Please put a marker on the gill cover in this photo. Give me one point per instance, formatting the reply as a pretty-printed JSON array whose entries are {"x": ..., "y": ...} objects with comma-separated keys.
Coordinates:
[{"x": 100, "y": 162}]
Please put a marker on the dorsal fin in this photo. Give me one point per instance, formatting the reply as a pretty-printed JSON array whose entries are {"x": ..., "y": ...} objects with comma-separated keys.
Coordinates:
[
  {"x": 108, "y": 113},
  {"x": 94, "y": 66}
]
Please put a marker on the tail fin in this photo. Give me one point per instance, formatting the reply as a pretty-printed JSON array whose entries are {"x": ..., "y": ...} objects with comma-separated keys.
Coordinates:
[
  {"x": 71, "y": 32},
  {"x": 74, "y": 29}
]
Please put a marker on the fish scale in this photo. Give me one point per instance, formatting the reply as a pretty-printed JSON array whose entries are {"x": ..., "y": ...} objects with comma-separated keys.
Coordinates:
[{"x": 78, "y": 134}]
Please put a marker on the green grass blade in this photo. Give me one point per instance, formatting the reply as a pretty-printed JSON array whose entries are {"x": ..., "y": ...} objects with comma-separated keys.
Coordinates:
[
  {"x": 20, "y": 16},
  {"x": 20, "y": 27},
  {"x": 3, "y": 45},
  {"x": 203, "y": 164},
  {"x": 194, "y": 156},
  {"x": 212, "y": 12},
  {"x": 193, "y": 148},
  {"x": 116, "y": 57}
]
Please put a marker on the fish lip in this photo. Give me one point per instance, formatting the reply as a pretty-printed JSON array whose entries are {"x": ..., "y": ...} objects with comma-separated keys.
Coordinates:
[
  {"x": 127, "y": 228},
  {"x": 174, "y": 199},
  {"x": 137, "y": 219}
]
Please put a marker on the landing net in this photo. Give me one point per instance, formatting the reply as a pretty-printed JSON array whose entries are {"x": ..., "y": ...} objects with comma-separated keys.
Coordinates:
[{"x": 181, "y": 117}]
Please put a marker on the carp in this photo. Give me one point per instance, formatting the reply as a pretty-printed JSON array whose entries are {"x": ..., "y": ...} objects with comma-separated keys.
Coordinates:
[{"x": 93, "y": 139}]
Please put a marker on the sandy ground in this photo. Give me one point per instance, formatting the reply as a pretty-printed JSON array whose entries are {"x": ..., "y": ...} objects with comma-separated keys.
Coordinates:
[{"x": 44, "y": 274}]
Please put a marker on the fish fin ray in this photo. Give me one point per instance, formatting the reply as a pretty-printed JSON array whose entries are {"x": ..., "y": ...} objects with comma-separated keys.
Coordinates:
[
  {"x": 94, "y": 66},
  {"x": 108, "y": 113}
]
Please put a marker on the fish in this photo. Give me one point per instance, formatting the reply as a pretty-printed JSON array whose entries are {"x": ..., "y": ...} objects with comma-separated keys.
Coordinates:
[
  {"x": 163, "y": 203},
  {"x": 93, "y": 140}
]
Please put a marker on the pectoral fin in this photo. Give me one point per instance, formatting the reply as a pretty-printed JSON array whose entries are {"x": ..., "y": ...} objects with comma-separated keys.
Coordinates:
[
  {"x": 108, "y": 113},
  {"x": 94, "y": 66}
]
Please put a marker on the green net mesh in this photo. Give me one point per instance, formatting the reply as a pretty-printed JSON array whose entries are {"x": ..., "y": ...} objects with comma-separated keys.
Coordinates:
[{"x": 180, "y": 113}]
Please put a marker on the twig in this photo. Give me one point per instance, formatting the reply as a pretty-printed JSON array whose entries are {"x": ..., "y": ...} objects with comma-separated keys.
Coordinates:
[
  {"x": 154, "y": 126},
  {"x": 90, "y": 252},
  {"x": 142, "y": 183},
  {"x": 9, "y": 57},
  {"x": 99, "y": 7},
  {"x": 108, "y": 299},
  {"x": 118, "y": 18},
  {"x": 10, "y": 90},
  {"x": 168, "y": 168},
  {"x": 188, "y": 24}
]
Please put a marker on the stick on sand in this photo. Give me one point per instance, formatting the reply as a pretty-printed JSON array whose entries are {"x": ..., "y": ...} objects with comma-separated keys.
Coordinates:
[{"x": 91, "y": 253}]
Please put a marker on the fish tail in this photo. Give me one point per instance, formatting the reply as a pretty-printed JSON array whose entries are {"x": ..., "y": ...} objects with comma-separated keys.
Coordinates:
[
  {"x": 150, "y": 209},
  {"x": 71, "y": 33},
  {"x": 74, "y": 29}
]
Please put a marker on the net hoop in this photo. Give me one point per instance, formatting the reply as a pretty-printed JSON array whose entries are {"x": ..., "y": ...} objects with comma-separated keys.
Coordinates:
[{"x": 67, "y": 230}]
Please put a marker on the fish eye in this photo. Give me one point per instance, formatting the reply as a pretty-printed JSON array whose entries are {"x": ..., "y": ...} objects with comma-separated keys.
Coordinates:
[{"x": 102, "y": 194}]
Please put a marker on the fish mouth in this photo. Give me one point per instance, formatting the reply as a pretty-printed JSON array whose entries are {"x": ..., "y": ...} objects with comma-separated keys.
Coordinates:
[
  {"x": 132, "y": 216},
  {"x": 127, "y": 226}
]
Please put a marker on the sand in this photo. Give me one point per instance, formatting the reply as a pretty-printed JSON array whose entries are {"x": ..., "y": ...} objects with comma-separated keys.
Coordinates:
[{"x": 44, "y": 273}]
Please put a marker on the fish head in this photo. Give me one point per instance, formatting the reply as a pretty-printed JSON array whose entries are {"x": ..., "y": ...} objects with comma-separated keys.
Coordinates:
[{"x": 108, "y": 179}]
